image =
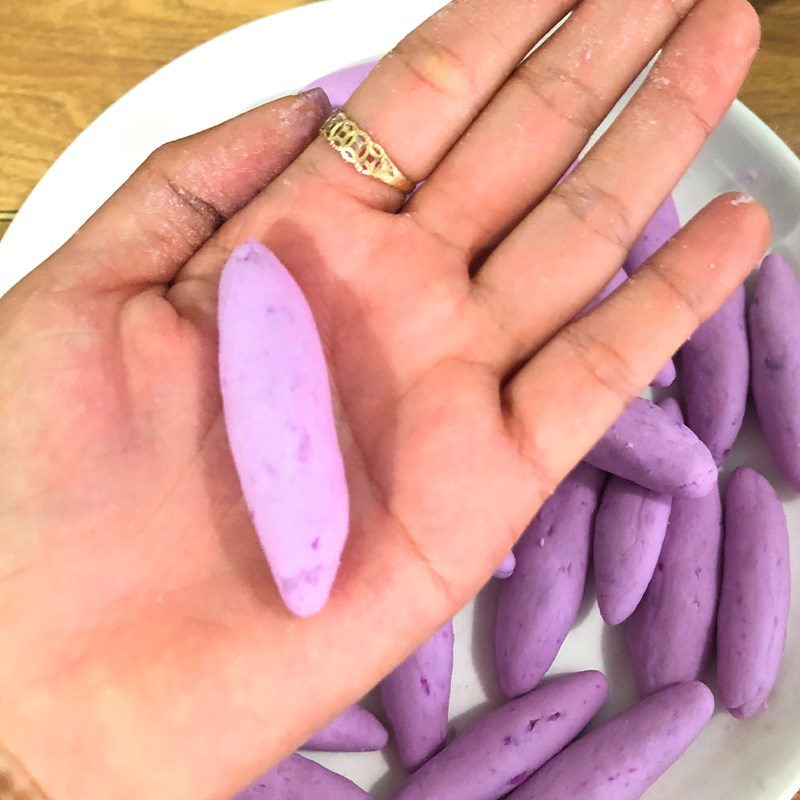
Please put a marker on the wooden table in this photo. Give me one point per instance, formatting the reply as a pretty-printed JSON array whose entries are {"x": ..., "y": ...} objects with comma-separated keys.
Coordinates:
[{"x": 63, "y": 61}]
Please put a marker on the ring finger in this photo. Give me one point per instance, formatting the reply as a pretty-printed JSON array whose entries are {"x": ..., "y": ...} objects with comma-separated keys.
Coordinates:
[{"x": 422, "y": 96}]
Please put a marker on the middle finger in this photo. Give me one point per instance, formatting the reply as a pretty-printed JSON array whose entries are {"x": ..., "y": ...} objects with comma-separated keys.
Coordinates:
[
  {"x": 568, "y": 248},
  {"x": 539, "y": 122}
]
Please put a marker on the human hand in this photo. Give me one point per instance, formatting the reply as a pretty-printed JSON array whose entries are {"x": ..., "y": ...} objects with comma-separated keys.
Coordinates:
[{"x": 145, "y": 650}]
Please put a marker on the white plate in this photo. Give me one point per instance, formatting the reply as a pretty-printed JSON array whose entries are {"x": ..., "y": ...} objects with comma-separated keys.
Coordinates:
[{"x": 756, "y": 760}]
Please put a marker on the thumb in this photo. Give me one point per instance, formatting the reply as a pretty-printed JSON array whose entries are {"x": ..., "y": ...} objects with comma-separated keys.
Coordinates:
[{"x": 181, "y": 194}]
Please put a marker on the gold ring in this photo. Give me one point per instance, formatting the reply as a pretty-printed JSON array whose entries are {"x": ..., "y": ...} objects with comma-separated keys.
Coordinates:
[{"x": 356, "y": 147}]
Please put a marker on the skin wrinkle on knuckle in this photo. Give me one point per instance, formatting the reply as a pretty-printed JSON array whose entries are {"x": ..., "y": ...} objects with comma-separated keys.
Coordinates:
[
  {"x": 548, "y": 84},
  {"x": 680, "y": 99},
  {"x": 603, "y": 361},
  {"x": 203, "y": 215},
  {"x": 454, "y": 245},
  {"x": 678, "y": 294},
  {"x": 585, "y": 200}
]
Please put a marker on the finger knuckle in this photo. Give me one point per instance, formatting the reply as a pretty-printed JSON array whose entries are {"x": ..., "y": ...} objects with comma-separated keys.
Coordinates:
[
  {"x": 603, "y": 360},
  {"x": 565, "y": 95},
  {"x": 678, "y": 295},
  {"x": 437, "y": 67},
  {"x": 598, "y": 210}
]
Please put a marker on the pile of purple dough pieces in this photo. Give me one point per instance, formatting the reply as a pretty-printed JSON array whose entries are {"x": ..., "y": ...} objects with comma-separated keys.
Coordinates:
[{"x": 684, "y": 573}]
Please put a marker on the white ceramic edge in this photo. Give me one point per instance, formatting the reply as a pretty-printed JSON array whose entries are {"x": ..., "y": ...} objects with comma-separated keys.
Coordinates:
[{"x": 16, "y": 247}]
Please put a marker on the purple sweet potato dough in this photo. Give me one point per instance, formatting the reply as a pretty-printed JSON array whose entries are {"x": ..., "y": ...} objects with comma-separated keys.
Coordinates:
[
  {"x": 715, "y": 376},
  {"x": 504, "y": 747},
  {"x": 279, "y": 416},
  {"x": 670, "y": 636},
  {"x": 341, "y": 84},
  {"x": 665, "y": 376},
  {"x": 355, "y": 730},
  {"x": 506, "y": 568},
  {"x": 756, "y": 585},
  {"x": 646, "y": 447},
  {"x": 538, "y": 604},
  {"x": 621, "y": 759},
  {"x": 661, "y": 228},
  {"x": 628, "y": 533},
  {"x": 299, "y": 778},
  {"x": 416, "y": 698},
  {"x": 775, "y": 356}
]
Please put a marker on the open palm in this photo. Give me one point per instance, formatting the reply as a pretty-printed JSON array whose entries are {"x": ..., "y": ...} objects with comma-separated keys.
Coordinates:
[{"x": 145, "y": 650}]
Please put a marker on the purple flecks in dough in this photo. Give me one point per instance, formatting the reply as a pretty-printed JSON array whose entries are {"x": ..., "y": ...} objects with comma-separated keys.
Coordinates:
[
  {"x": 304, "y": 448},
  {"x": 426, "y": 687},
  {"x": 554, "y": 717},
  {"x": 517, "y": 779},
  {"x": 315, "y": 543},
  {"x": 774, "y": 364},
  {"x": 532, "y": 724}
]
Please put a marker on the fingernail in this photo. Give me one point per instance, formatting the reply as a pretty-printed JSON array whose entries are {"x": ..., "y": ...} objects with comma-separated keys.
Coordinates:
[{"x": 319, "y": 98}]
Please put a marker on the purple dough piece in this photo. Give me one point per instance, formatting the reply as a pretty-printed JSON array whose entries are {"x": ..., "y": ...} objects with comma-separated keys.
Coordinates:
[
  {"x": 279, "y": 415},
  {"x": 715, "y": 374},
  {"x": 538, "y": 604},
  {"x": 671, "y": 407},
  {"x": 299, "y": 778},
  {"x": 341, "y": 84},
  {"x": 665, "y": 376},
  {"x": 506, "y": 569},
  {"x": 645, "y": 446},
  {"x": 355, "y": 730},
  {"x": 504, "y": 747},
  {"x": 661, "y": 228},
  {"x": 775, "y": 350},
  {"x": 622, "y": 758},
  {"x": 756, "y": 587},
  {"x": 416, "y": 698},
  {"x": 629, "y": 530},
  {"x": 670, "y": 636}
]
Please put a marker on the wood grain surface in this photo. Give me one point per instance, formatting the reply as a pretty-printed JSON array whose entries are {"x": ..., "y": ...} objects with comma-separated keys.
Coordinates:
[{"x": 63, "y": 61}]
